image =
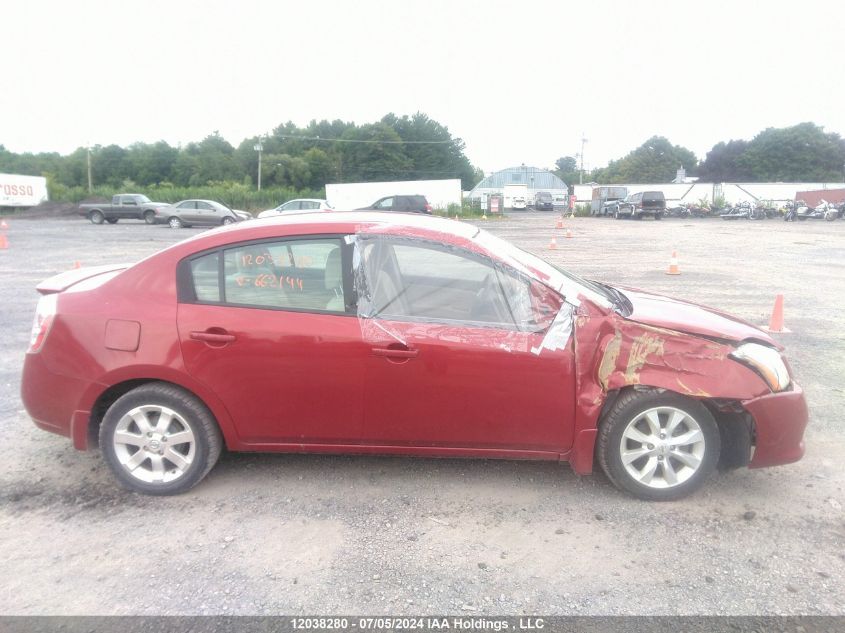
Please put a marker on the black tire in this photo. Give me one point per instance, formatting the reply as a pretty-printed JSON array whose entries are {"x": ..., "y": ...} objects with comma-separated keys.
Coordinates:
[
  {"x": 228, "y": 220},
  {"x": 96, "y": 216},
  {"x": 175, "y": 223},
  {"x": 111, "y": 220},
  {"x": 658, "y": 216},
  {"x": 629, "y": 411},
  {"x": 188, "y": 412},
  {"x": 150, "y": 217}
]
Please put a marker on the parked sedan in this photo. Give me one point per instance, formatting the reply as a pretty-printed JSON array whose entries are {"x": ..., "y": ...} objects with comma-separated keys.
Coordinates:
[
  {"x": 297, "y": 206},
  {"x": 200, "y": 213},
  {"x": 398, "y": 334}
]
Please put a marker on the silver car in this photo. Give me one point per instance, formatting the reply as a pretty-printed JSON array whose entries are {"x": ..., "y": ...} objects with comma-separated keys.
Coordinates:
[
  {"x": 201, "y": 212},
  {"x": 297, "y": 206}
]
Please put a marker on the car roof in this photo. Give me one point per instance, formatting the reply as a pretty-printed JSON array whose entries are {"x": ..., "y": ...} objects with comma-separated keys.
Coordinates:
[
  {"x": 340, "y": 222},
  {"x": 305, "y": 200}
]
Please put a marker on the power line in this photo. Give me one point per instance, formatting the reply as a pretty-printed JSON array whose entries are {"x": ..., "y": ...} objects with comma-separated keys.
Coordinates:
[{"x": 350, "y": 140}]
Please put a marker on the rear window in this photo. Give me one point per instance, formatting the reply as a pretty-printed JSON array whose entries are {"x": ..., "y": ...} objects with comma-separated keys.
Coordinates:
[{"x": 653, "y": 195}]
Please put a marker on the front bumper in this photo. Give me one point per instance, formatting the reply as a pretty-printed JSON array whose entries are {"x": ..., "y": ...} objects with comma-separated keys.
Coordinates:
[{"x": 779, "y": 423}]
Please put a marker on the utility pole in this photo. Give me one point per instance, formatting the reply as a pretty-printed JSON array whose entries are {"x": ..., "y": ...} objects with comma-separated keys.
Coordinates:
[
  {"x": 581, "y": 171},
  {"x": 90, "y": 184},
  {"x": 258, "y": 148}
]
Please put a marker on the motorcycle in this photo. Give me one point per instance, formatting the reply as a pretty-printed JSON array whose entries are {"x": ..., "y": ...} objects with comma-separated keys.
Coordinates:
[
  {"x": 823, "y": 211},
  {"x": 680, "y": 210}
]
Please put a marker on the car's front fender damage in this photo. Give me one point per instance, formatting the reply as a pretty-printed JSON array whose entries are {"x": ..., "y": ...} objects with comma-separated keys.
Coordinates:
[{"x": 613, "y": 353}]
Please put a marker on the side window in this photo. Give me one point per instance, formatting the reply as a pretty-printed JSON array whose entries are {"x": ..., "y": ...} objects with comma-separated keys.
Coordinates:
[
  {"x": 293, "y": 205},
  {"x": 418, "y": 280},
  {"x": 298, "y": 274},
  {"x": 205, "y": 272},
  {"x": 205, "y": 206},
  {"x": 188, "y": 204},
  {"x": 387, "y": 203},
  {"x": 129, "y": 200}
]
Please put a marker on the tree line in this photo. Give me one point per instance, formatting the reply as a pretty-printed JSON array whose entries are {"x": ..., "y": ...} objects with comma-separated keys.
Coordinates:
[
  {"x": 297, "y": 158},
  {"x": 800, "y": 153}
]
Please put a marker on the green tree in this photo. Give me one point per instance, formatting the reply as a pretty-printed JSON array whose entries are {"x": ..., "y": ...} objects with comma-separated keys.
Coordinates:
[
  {"x": 566, "y": 168},
  {"x": 655, "y": 161},
  {"x": 377, "y": 156},
  {"x": 801, "y": 153},
  {"x": 722, "y": 163}
]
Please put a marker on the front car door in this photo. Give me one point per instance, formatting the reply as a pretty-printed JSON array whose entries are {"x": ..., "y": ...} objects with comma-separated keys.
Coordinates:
[
  {"x": 465, "y": 353},
  {"x": 128, "y": 208},
  {"x": 267, "y": 326}
]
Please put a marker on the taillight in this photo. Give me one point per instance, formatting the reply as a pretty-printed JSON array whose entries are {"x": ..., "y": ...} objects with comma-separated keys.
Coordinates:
[
  {"x": 428, "y": 207},
  {"x": 44, "y": 315}
]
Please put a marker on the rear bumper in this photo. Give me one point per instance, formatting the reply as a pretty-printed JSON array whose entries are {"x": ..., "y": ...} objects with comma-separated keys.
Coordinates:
[
  {"x": 779, "y": 423},
  {"x": 51, "y": 400}
]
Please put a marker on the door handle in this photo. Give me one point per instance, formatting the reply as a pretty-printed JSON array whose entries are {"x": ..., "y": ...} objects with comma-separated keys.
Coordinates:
[
  {"x": 388, "y": 352},
  {"x": 212, "y": 337}
]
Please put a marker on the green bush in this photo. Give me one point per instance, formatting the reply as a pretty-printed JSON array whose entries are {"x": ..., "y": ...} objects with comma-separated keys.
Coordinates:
[{"x": 237, "y": 195}]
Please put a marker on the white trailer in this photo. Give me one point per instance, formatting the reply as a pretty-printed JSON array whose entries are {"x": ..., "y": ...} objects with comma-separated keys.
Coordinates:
[
  {"x": 516, "y": 196},
  {"x": 354, "y": 195},
  {"x": 22, "y": 191}
]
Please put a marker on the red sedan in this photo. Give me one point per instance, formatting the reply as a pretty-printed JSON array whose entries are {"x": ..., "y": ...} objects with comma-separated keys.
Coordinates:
[{"x": 397, "y": 334}]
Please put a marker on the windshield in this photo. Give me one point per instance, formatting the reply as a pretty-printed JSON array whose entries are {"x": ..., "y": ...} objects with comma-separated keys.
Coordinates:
[
  {"x": 142, "y": 199},
  {"x": 566, "y": 283}
]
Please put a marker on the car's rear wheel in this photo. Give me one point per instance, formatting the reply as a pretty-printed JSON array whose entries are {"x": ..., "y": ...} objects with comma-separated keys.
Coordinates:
[
  {"x": 158, "y": 439},
  {"x": 175, "y": 223},
  {"x": 96, "y": 217},
  {"x": 112, "y": 220},
  {"x": 228, "y": 220},
  {"x": 658, "y": 445},
  {"x": 150, "y": 217}
]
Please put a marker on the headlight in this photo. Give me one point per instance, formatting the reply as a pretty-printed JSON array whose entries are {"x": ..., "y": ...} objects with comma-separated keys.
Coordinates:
[{"x": 766, "y": 361}]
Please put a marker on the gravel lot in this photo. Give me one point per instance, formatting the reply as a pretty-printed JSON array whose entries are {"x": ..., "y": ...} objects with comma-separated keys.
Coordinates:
[{"x": 269, "y": 534}]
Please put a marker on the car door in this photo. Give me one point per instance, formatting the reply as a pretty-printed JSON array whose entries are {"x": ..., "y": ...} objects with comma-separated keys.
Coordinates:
[
  {"x": 128, "y": 208},
  {"x": 185, "y": 210},
  {"x": 207, "y": 213},
  {"x": 458, "y": 356},
  {"x": 265, "y": 325}
]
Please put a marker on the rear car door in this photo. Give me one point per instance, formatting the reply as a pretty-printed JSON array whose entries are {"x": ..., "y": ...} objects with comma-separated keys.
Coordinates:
[
  {"x": 457, "y": 354},
  {"x": 207, "y": 214},
  {"x": 266, "y": 326}
]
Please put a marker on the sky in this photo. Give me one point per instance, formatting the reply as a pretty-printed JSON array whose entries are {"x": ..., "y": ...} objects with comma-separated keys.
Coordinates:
[{"x": 518, "y": 81}]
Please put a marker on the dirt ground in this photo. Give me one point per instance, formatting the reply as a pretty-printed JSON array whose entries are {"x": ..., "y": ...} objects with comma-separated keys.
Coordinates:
[{"x": 279, "y": 534}]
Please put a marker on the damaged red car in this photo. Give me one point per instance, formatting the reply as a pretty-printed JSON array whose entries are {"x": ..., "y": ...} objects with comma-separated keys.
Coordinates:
[{"x": 398, "y": 334}]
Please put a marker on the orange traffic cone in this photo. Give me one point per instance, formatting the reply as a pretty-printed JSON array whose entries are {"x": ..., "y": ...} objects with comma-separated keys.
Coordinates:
[
  {"x": 569, "y": 234},
  {"x": 673, "y": 265},
  {"x": 776, "y": 322},
  {"x": 559, "y": 224},
  {"x": 553, "y": 244},
  {"x": 3, "y": 225},
  {"x": 4, "y": 243}
]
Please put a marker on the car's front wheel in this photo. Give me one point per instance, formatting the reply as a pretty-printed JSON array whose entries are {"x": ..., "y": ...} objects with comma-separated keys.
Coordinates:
[
  {"x": 159, "y": 439},
  {"x": 175, "y": 223},
  {"x": 658, "y": 445}
]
